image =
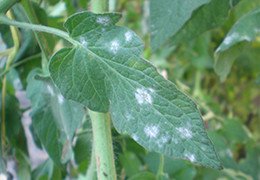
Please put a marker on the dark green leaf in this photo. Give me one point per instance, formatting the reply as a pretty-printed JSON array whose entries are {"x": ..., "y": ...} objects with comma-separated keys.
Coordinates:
[
  {"x": 130, "y": 163},
  {"x": 103, "y": 70},
  {"x": 168, "y": 16},
  {"x": 144, "y": 176},
  {"x": 55, "y": 119}
]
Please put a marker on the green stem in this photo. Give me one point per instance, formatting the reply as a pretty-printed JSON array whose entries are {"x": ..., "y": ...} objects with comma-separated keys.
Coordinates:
[
  {"x": 99, "y": 6},
  {"x": 161, "y": 165},
  {"x": 101, "y": 126},
  {"x": 6, "y": 52},
  {"x": 103, "y": 145},
  {"x": 35, "y": 27},
  {"x": 20, "y": 62},
  {"x": 39, "y": 37},
  {"x": 5, "y": 5},
  {"x": 91, "y": 173}
]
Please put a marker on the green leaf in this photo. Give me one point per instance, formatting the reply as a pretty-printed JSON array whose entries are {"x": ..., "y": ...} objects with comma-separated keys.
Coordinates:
[
  {"x": 130, "y": 163},
  {"x": 246, "y": 29},
  {"x": 225, "y": 153},
  {"x": 55, "y": 119},
  {"x": 175, "y": 168},
  {"x": 143, "y": 176},
  {"x": 257, "y": 80},
  {"x": 168, "y": 16},
  {"x": 104, "y": 71},
  {"x": 207, "y": 17}
]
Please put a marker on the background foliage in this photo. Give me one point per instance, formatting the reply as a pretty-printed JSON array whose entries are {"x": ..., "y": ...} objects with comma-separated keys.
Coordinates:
[{"x": 222, "y": 79}]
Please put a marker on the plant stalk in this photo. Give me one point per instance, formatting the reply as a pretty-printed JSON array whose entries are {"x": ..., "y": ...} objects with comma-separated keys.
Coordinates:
[
  {"x": 102, "y": 141},
  {"x": 103, "y": 145}
]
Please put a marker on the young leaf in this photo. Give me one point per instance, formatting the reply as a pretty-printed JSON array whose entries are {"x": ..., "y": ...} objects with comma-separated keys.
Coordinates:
[
  {"x": 104, "y": 71},
  {"x": 53, "y": 116},
  {"x": 246, "y": 29},
  {"x": 168, "y": 16}
]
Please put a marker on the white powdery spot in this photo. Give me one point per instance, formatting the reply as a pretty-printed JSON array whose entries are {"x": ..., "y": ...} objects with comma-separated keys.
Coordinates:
[
  {"x": 143, "y": 97},
  {"x": 83, "y": 41},
  {"x": 176, "y": 141},
  {"x": 184, "y": 132},
  {"x": 151, "y": 131},
  {"x": 3, "y": 177},
  {"x": 256, "y": 30},
  {"x": 114, "y": 46},
  {"x": 245, "y": 37},
  {"x": 50, "y": 90},
  {"x": 135, "y": 137},
  {"x": 192, "y": 158},
  {"x": 151, "y": 90},
  {"x": 105, "y": 20},
  {"x": 230, "y": 38},
  {"x": 164, "y": 139},
  {"x": 128, "y": 116},
  {"x": 60, "y": 99},
  {"x": 128, "y": 36}
]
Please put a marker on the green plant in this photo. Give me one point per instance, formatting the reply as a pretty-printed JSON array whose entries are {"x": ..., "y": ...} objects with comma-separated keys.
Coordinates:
[{"x": 98, "y": 73}]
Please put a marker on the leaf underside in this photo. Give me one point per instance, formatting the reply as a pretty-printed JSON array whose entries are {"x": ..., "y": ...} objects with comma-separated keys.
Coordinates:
[{"x": 104, "y": 71}]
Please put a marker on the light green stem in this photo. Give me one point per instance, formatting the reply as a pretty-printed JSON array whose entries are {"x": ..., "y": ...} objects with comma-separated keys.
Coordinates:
[
  {"x": 103, "y": 145},
  {"x": 99, "y": 6},
  {"x": 161, "y": 166},
  {"x": 92, "y": 173},
  {"x": 35, "y": 27},
  {"x": 101, "y": 126}
]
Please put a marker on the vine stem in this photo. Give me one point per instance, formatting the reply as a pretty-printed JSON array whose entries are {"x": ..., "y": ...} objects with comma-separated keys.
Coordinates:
[
  {"x": 102, "y": 144},
  {"x": 9, "y": 61},
  {"x": 36, "y": 27}
]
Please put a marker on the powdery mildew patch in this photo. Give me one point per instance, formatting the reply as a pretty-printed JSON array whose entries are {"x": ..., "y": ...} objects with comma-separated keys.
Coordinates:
[
  {"x": 105, "y": 20},
  {"x": 230, "y": 38},
  {"x": 191, "y": 157},
  {"x": 50, "y": 90},
  {"x": 83, "y": 41},
  {"x": 128, "y": 36},
  {"x": 184, "y": 132},
  {"x": 60, "y": 99},
  {"x": 143, "y": 97},
  {"x": 114, "y": 46},
  {"x": 151, "y": 131}
]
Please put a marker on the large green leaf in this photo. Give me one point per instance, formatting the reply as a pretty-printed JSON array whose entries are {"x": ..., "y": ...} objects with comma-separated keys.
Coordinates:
[
  {"x": 168, "y": 16},
  {"x": 207, "y": 17},
  {"x": 245, "y": 29},
  {"x": 104, "y": 71},
  {"x": 55, "y": 119}
]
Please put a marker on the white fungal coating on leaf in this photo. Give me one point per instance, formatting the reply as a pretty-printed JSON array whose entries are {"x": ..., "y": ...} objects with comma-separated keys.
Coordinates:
[
  {"x": 60, "y": 99},
  {"x": 128, "y": 36},
  {"x": 191, "y": 157},
  {"x": 105, "y": 20},
  {"x": 83, "y": 41},
  {"x": 230, "y": 38},
  {"x": 135, "y": 137},
  {"x": 114, "y": 46},
  {"x": 184, "y": 132},
  {"x": 164, "y": 139},
  {"x": 143, "y": 97},
  {"x": 151, "y": 131},
  {"x": 50, "y": 90}
]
